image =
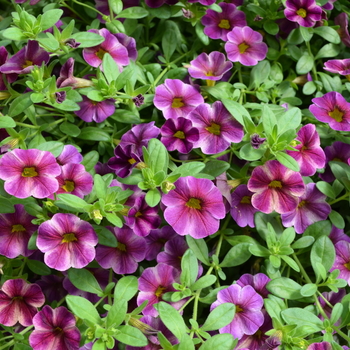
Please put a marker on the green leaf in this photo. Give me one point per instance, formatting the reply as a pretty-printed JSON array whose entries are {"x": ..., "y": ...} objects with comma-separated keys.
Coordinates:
[
  {"x": 223, "y": 341},
  {"x": 336, "y": 313},
  {"x": 302, "y": 317},
  {"x": 328, "y": 50},
  {"x": 114, "y": 219},
  {"x": 38, "y": 267},
  {"x": 110, "y": 68},
  {"x": 153, "y": 197},
  {"x": 260, "y": 73},
  {"x": 94, "y": 134},
  {"x": 172, "y": 319},
  {"x": 90, "y": 160},
  {"x": 304, "y": 64},
  {"x": 6, "y": 207},
  {"x": 131, "y": 336},
  {"x": 88, "y": 39},
  {"x": 259, "y": 250},
  {"x": 336, "y": 219},
  {"x": 308, "y": 290},
  {"x": 70, "y": 129},
  {"x": 289, "y": 261},
  {"x": 236, "y": 110},
  {"x": 237, "y": 255},
  {"x": 133, "y": 12},
  {"x": 13, "y": 33},
  {"x": 322, "y": 252},
  {"x": 189, "y": 169},
  {"x": 318, "y": 229},
  {"x": 199, "y": 248},
  {"x": 158, "y": 156},
  {"x": 54, "y": 147},
  {"x": 83, "y": 308},
  {"x": 247, "y": 152},
  {"x": 105, "y": 236},
  {"x": 306, "y": 33},
  {"x": 117, "y": 313},
  {"x": 84, "y": 280},
  {"x": 288, "y": 161},
  {"x": 203, "y": 282},
  {"x": 285, "y": 288},
  {"x": 328, "y": 34},
  {"x": 326, "y": 189},
  {"x": 291, "y": 119},
  {"x": 100, "y": 186},
  {"x": 20, "y": 104},
  {"x": 7, "y": 122},
  {"x": 72, "y": 201},
  {"x": 189, "y": 268},
  {"x": 268, "y": 119},
  {"x": 303, "y": 242},
  {"x": 126, "y": 288},
  {"x": 116, "y": 5},
  {"x": 271, "y": 27},
  {"x": 220, "y": 317},
  {"x": 186, "y": 343},
  {"x": 169, "y": 39},
  {"x": 215, "y": 167},
  {"x": 49, "y": 18}
]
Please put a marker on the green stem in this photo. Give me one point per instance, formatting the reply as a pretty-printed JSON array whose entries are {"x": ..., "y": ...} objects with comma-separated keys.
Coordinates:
[
  {"x": 28, "y": 125},
  {"x": 110, "y": 279},
  {"x": 63, "y": 3},
  {"x": 12, "y": 342},
  {"x": 314, "y": 70},
  {"x": 303, "y": 272},
  {"x": 187, "y": 302},
  {"x": 343, "y": 197},
  {"x": 91, "y": 8}
]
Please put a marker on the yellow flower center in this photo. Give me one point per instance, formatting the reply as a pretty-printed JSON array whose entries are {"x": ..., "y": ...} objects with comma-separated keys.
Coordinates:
[
  {"x": 194, "y": 203},
  {"x": 177, "y": 102},
  {"x": 301, "y": 204},
  {"x": 138, "y": 214},
  {"x": 224, "y": 24},
  {"x": 214, "y": 129},
  {"x": 337, "y": 160},
  {"x": 17, "y": 228},
  {"x": 179, "y": 134},
  {"x": 246, "y": 200},
  {"x": 336, "y": 114},
  {"x": 243, "y": 47},
  {"x": 68, "y": 186},
  {"x": 209, "y": 74},
  {"x": 121, "y": 247},
  {"x": 100, "y": 53},
  {"x": 132, "y": 161},
  {"x": 29, "y": 172},
  {"x": 69, "y": 237},
  {"x": 347, "y": 265},
  {"x": 27, "y": 64},
  {"x": 160, "y": 291},
  {"x": 275, "y": 184},
  {"x": 302, "y": 12},
  {"x": 238, "y": 309}
]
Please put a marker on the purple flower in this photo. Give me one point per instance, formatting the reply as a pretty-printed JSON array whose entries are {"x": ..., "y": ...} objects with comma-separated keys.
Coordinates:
[
  {"x": 69, "y": 155},
  {"x": 332, "y": 108},
  {"x": 217, "y": 127},
  {"x": 32, "y": 2},
  {"x": 337, "y": 235},
  {"x": 312, "y": 208},
  {"x": 256, "y": 141},
  {"x": 25, "y": 59},
  {"x": 95, "y": 111},
  {"x": 94, "y": 55},
  {"x": 329, "y": 5},
  {"x": 138, "y": 100},
  {"x": 75, "y": 180},
  {"x": 341, "y": 67},
  {"x": 129, "y": 43},
  {"x": 275, "y": 187},
  {"x": 242, "y": 210},
  {"x": 124, "y": 258},
  {"x": 174, "y": 249},
  {"x": 209, "y": 67},
  {"x": 179, "y": 135},
  {"x": 244, "y": 45},
  {"x": 29, "y": 173},
  {"x": 310, "y": 156},
  {"x": 142, "y": 218},
  {"x": 258, "y": 282},
  {"x": 51, "y": 286},
  {"x": 153, "y": 283},
  {"x": 60, "y": 96},
  {"x": 320, "y": 346},
  {"x": 10, "y": 77},
  {"x": 67, "y": 241},
  {"x": 194, "y": 207},
  {"x": 19, "y": 301},
  {"x": 305, "y": 12},
  {"x": 54, "y": 329},
  {"x": 342, "y": 20},
  {"x": 248, "y": 302},
  {"x": 176, "y": 99},
  {"x": 342, "y": 260},
  {"x": 15, "y": 231},
  {"x": 218, "y": 24},
  {"x": 332, "y": 299}
]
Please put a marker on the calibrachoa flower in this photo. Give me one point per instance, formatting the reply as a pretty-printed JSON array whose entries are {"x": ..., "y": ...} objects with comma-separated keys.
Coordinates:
[
  {"x": 248, "y": 317},
  {"x": 95, "y": 111},
  {"x": 54, "y": 329},
  {"x": 312, "y": 208},
  {"x": 29, "y": 173},
  {"x": 310, "y": 156},
  {"x": 67, "y": 241},
  {"x": 176, "y": 99},
  {"x": 256, "y": 141},
  {"x": 194, "y": 207},
  {"x": 337, "y": 235},
  {"x": 69, "y": 155},
  {"x": 173, "y": 252},
  {"x": 258, "y": 282},
  {"x": 320, "y": 346},
  {"x": 342, "y": 260},
  {"x": 218, "y": 24},
  {"x": 124, "y": 258},
  {"x": 332, "y": 108},
  {"x": 10, "y": 77},
  {"x": 52, "y": 288},
  {"x": 179, "y": 135},
  {"x": 341, "y": 67},
  {"x": 15, "y": 231},
  {"x": 305, "y": 12},
  {"x": 217, "y": 127},
  {"x": 275, "y": 187},
  {"x": 153, "y": 283},
  {"x": 210, "y": 67},
  {"x": 242, "y": 210},
  {"x": 19, "y": 301},
  {"x": 245, "y": 45},
  {"x": 342, "y": 20},
  {"x": 94, "y": 55}
]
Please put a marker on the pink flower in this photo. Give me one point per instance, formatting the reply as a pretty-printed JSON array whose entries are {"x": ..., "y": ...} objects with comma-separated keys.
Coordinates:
[
  {"x": 194, "y": 207},
  {"x": 342, "y": 260},
  {"x": 341, "y": 67},
  {"x": 29, "y": 172},
  {"x": 275, "y": 187},
  {"x": 244, "y": 45},
  {"x": 305, "y": 12}
]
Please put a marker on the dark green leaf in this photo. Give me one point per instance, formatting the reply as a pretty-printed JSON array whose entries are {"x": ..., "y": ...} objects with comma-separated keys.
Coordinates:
[
  {"x": 84, "y": 280},
  {"x": 199, "y": 248},
  {"x": 133, "y": 12},
  {"x": 88, "y": 39},
  {"x": 38, "y": 267},
  {"x": 328, "y": 34},
  {"x": 94, "y": 134},
  {"x": 69, "y": 129},
  {"x": 237, "y": 255},
  {"x": 131, "y": 336},
  {"x": 20, "y": 104}
]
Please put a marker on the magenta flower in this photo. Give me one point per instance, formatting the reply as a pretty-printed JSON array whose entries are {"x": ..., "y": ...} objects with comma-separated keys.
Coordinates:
[
  {"x": 310, "y": 156},
  {"x": 95, "y": 111},
  {"x": 29, "y": 173},
  {"x": 67, "y": 78},
  {"x": 153, "y": 283},
  {"x": 337, "y": 235},
  {"x": 67, "y": 241},
  {"x": 124, "y": 161},
  {"x": 129, "y": 43},
  {"x": 275, "y": 187},
  {"x": 124, "y": 258},
  {"x": 218, "y": 24},
  {"x": 332, "y": 108},
  {"x": 320, "y": 346},
  {"x": 248, "y": 302},
  {"x": 256, "y": 141},
  {"x": 245, "y": 45},
  {"x": 209, "y": 67},
  {"x": 74, "y": 180},
  {"x": 305, "y": 12},
  {"x": 52, "y": 288},
  {"x": 174, "y": 249},
  {"x": 15, "y": 231},
  {"x": 176, "y": 99},
  {"x": 179, "y": 135},
  {"x": 10, "y": 77},
  {"x": 258, "y": 282},
  {"x": 312, "y": 208},
  {"x": 19, "y": 301},
  {"x": 342, "y": 20},
  {"x": 342, "y": 260},
  {"x": 69, "y": 155},
  {"x": 341, "y": 67},
  {"x": 25, "y": 59},
  {"x": 194, "y": 207},
  {"x": 54, "y": 329},
  {"x": 217, "y": 127},
  {"x": 94, "y": 55},
  {"x": 242, "y": 210}
]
